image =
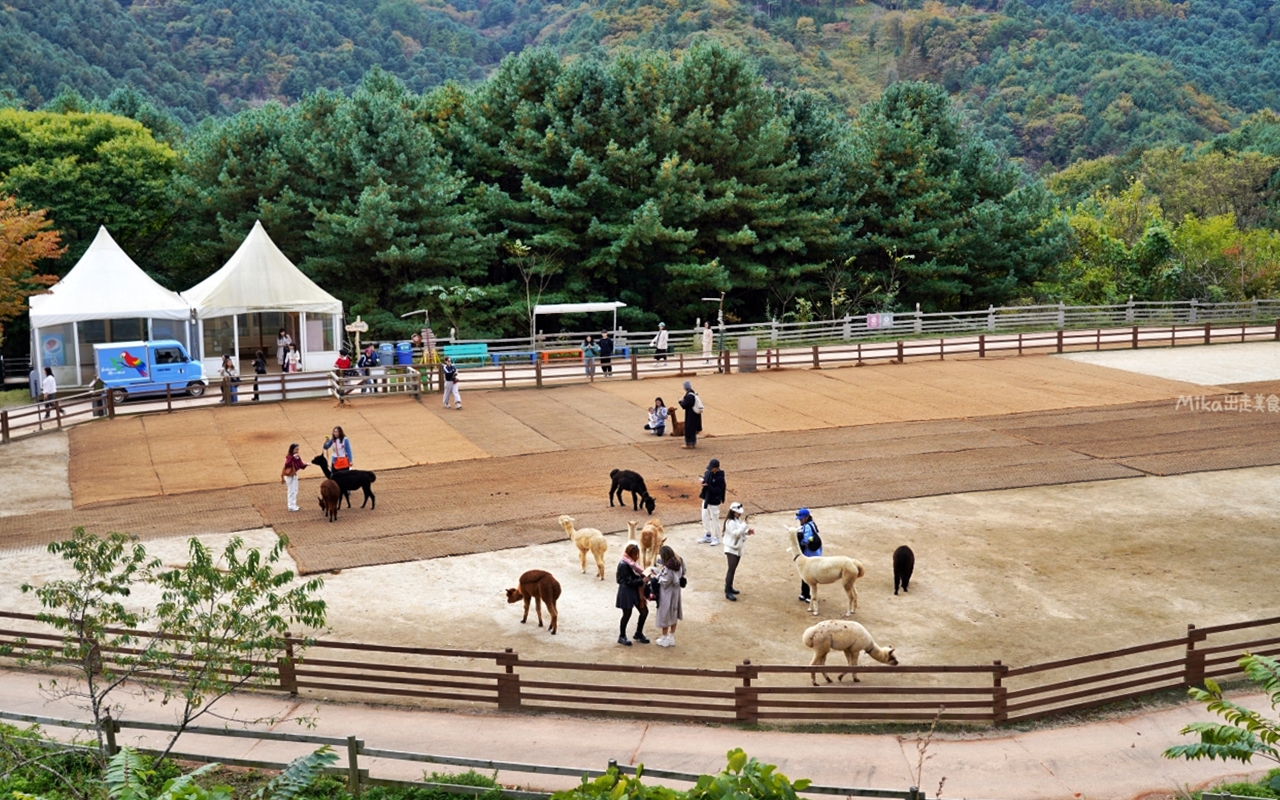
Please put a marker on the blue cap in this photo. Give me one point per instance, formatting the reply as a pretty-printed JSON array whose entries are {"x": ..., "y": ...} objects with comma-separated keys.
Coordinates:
[{"x": 802, "y": 513}]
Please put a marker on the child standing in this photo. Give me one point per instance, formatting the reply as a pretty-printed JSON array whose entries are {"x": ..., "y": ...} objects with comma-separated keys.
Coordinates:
[{"x": 289, "y": 475}]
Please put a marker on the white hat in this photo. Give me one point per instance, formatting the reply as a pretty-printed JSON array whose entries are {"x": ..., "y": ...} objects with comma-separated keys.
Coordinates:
[{"x": 737, "y": 507}]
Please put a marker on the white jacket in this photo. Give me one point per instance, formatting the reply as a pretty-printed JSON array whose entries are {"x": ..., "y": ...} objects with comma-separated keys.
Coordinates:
[
  {"x": 735, "y": 536},
  {"x": 660, "y": 341}
]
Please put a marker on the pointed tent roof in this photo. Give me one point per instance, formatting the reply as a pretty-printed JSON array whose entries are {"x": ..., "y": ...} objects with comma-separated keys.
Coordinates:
[
  {"x": 259, "y": 278},
  {"x": 106, "y": 284}
]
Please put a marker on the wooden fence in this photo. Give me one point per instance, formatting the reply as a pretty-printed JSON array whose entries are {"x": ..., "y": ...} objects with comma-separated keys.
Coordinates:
[
  {"x": 747, "y": 693},
  {"x": 358, "y": 777}
]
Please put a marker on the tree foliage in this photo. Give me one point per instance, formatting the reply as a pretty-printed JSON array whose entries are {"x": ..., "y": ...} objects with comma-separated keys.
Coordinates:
[{"x": 25, "y": 241}]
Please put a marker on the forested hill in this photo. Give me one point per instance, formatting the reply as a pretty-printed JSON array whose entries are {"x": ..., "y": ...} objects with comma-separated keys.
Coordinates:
[{"x": 1053, "y": 81}]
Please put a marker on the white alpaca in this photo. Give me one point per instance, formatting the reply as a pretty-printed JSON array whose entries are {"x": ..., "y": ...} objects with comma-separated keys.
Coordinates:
[
  {"x": 847, "y": 636},
  {"x": 587, "y": 539},
  {"x": 825, "y": 569},
  {"x": 651, "y": 538}
]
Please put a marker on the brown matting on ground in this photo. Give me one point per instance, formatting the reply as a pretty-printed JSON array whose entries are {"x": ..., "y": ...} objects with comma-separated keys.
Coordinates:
[{"x": 484, "y": 504}]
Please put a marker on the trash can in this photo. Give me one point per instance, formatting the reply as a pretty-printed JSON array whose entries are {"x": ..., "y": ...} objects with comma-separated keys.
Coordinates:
[
  {"x": 404, "y": 353},
  {"x": 747, "y": 350},
  {"x": 386, "y": 354}
]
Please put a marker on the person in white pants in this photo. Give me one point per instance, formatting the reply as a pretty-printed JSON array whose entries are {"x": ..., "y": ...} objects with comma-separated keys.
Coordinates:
[
  {"x": 451, "y": 384},
  {"x": 713, "y": 491},
  {"x": 289, "y": 475}
]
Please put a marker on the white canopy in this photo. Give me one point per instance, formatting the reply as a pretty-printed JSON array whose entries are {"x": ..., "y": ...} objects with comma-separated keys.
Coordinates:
[
  {"x": 576, "y": 308},
  {"x": 105, "y": 284},
  {"x": 259, "y": 278}
]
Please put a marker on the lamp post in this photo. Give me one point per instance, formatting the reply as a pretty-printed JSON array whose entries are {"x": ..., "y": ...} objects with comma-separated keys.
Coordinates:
[{"x": 720, "y": 325}]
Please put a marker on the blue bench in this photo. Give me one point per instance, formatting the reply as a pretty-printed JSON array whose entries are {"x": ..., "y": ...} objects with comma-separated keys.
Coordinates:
[{"x": 467, "y": 352}]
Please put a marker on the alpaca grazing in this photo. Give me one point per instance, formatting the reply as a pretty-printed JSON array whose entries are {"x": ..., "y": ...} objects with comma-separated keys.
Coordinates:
[
  {"x": 850, "y": 638},
  {"x": 825, "y": 569},
  {"x": 587, "y": 540},
  {"x": 349, "y": 480},
  {"x": 624, "y": 480},
  {"x": 673, "y": 417},
  {"x": 541, "y": 587},
  {"x": 330, "y": 499},
  {"x": 904, "y": 563},
  {"x": 651, "y": 538}
]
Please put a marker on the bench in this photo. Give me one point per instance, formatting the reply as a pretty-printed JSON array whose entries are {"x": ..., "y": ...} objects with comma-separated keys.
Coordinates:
[{"x": 459, "y": 352}]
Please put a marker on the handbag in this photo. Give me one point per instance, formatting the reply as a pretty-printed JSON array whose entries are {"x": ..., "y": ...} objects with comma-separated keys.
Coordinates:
[
  {"x": 652, "y": 590},
  {"x": 683, "y": 582},
  {"x": 341, "y": 462}
]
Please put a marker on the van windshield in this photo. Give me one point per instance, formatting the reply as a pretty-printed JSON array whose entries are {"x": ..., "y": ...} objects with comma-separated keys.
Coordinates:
[{"x": 169, "y": 355}]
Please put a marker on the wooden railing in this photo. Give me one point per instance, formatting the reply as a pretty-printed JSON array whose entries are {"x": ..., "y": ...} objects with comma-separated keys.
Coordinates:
[
  {"x": 746, "y": 692},
  {"x": 358, "y": 777}
]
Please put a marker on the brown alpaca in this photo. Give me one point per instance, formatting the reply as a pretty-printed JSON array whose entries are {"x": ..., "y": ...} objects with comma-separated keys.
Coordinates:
[
  {"x": 330, "y": 498},
  {"x": 587, "y": 540},
  {"x": 677, "y": 427},
  {"x": 539, "y": 586},
  {"x": 651, "y": 538},
  {"x": 848, "y": 637}
]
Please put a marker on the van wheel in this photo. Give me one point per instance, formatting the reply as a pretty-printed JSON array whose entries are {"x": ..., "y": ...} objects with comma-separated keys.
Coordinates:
[
  {"x": 118, "y": 396},
  {"x": 195, "y": 389}
]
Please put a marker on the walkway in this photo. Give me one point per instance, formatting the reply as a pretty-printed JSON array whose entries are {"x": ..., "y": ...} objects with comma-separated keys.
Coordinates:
[{"x": 1116, "y": 759}]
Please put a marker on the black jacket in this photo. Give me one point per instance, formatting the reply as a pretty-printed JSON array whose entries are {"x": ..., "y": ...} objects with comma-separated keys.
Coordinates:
[
  {"x": 714, "y": 488},
  {"x": 692, "y": 419},
  {"x": 450, "y": 373},
  {"x": 606, "y": 347},
  {"x": 629, "y": 584}
]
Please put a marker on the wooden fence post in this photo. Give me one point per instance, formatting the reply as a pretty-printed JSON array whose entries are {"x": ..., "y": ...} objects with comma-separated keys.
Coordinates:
[
  {"x": 110, "y": 728},
  {"x": 899, "y": 351},
  {"x": 1193, "y": 671},
  {"x": 635, "y": 366},
  {"x": 1173, "y": 335},
  {"x": 942, "y": 348},
  {"x": 859, "y": 353},
  {"x": 1135, "y": 337},
  {"x": 999, "y": 697},
  {"x": 286, "y": 668},
  {"x": 353, "y": 765},
  {"x": 4, "y": 427},
  {"x": 168, "y": 397},
  {"x": 1207, "y": 336},
  {"x": 816, "y": 364},
  {"x": 746, "y": 699},
  {"x": 1019, "y": 343},
  {"x": 1059, "y": 340},
  {"x": 982, "y": 345},
  {"x": 1278, "y": 330},
  {"x": 537, "y": 371},
  {"x": 508, "y": 682}
]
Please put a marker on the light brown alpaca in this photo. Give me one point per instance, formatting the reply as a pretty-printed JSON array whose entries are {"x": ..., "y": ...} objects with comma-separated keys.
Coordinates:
[
  {"x": 825, "y": 569},
  {"x": 541, "y": 587},
  {"x": 848, "y": 637},
  {"x": 651, "y": 538},
  {"x": 673, "y": 416},
  {"x": 587, "y": 539}
]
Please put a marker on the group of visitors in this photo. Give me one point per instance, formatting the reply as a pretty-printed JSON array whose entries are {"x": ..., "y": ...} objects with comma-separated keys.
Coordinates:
[
  {"x": 287, "y": 355},
  {"x": 342, "y": 458},
  {"x": 601, "y": 349}
]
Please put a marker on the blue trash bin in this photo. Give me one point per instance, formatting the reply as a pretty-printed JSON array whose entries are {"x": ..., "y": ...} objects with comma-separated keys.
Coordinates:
[
  {"x": 386, "y": 354},
  {"x": 404, "y": 353}
]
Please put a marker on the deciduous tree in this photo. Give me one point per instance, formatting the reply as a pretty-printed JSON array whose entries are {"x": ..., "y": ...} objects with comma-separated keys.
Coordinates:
[{"x": 26, "y": 239}]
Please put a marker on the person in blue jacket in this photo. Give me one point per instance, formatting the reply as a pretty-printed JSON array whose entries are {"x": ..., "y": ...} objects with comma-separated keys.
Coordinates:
[{"x": 810, "y": 544}]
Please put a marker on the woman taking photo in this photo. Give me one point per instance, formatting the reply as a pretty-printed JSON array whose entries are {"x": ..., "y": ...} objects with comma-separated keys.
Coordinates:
[{"x": 670, "y": 581}]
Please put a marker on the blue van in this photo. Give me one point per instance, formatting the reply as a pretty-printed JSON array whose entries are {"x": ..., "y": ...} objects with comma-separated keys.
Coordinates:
[{"x": 129, "y": 369}]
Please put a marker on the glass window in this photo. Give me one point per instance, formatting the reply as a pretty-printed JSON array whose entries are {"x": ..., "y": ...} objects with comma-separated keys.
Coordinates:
[
  {"x": 168, "y": 355},
  {"x": 219, "y": 338}
]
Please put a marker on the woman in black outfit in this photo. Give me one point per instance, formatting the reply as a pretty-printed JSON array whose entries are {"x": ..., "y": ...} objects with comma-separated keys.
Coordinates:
[{"x": 630, "y": 578}]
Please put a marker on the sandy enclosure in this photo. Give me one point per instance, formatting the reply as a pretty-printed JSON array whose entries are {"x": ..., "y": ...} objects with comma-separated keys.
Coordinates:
[{"x": 1022, "y": 575}]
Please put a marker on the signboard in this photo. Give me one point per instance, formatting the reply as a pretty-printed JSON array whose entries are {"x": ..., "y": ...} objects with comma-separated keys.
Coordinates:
[
  {"x": 879, "y": 321},
  {"x": 53, "y": 353}
]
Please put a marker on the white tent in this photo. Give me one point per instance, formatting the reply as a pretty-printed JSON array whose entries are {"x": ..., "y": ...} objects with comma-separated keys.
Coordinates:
[
  {"x": 259, "y": 279},
  {"x": 105, "y": 284}
]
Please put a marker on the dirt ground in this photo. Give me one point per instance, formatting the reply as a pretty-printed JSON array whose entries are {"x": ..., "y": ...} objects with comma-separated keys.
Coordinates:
[{"x": 1022, "y": 575}]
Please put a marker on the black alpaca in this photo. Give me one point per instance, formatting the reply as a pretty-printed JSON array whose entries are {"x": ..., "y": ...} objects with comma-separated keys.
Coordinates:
[
  {"x": 624, "y": 480},
  {"x": 904, "y": 563},
  {"x": 349, "y": 480}
]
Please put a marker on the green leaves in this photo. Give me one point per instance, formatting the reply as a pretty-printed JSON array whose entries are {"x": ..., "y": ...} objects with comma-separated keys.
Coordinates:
[{"x": 1247, "y": 732}]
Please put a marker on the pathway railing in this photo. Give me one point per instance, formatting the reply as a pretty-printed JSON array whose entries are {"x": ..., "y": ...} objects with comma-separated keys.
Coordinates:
[{"x": 992, "y": 694}]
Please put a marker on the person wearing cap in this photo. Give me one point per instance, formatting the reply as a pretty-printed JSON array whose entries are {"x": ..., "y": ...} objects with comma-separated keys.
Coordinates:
[
  {"x": 692, "y": 405},
  {"x": 659, "y": 343},
  {"x": 810, "y": 544},
  {"x": 713, "y": 489},
  {"x": 735, "y": 535}
]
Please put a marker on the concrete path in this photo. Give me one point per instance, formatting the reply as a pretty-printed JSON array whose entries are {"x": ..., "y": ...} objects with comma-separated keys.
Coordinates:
[
  {"x": 1220, "y": 365},
  {"x": 1117, "y": 758}
]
